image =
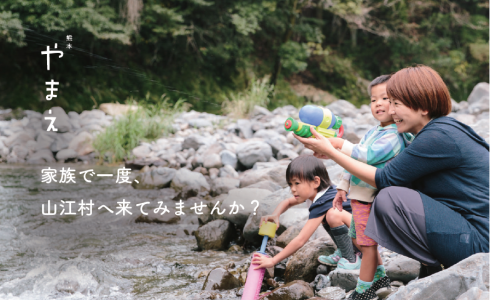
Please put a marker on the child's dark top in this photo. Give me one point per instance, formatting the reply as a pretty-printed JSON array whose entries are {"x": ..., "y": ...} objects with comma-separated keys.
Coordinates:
[{"x": 324, "y": 203}]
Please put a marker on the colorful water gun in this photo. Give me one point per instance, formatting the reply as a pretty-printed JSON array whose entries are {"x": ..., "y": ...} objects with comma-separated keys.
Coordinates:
[
  {"x": 322, "y": 119},
  {"x": 254, "y": 277}
]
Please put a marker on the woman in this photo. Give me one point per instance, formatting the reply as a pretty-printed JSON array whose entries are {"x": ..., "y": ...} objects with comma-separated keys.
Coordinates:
[{"x": 433, "y": 199}]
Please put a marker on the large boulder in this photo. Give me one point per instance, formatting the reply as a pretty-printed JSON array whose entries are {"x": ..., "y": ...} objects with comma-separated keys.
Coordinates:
[
  {"x": 244, "y": 127},
  {"x": 266, "y": 185},
  {"x": 288, "y": 235},
  {"x": 40, "y": 157},
  {"x": 19, "y": 138},
  {"x": 220, "y": 279},
  {"x": 343, "y": 108},
  {"x": 253, "y": 151},
  {"x": 189, "y": 184},
  {"x": 478, "y": 100},
  {"x": 61, "y": 123},
  {"x": 62, "y": 141},
  {"x": 295, "y": 290},
  {"x": 275, "y": 174},
  {"x": 402, "y": 268},
  {"x": 228, "y": 158},
  {"x": 82, "y": 143},
  {"x": 302, "y": 264},
  {"x": 66, "y": 154},
  {"x": 196, "y": 141},
  {"x": 243, "y": 199},
  {"x": 155, "y": 178},
  {"x": 449, "y": 283},
  {"x": 223, "y": 185},
  {"x": 475, "y": 294},
  {"x": 215, "y": 235}
]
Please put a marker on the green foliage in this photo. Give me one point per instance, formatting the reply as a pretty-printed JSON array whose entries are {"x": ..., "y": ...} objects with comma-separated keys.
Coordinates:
[
  {"x": 148, "y": 122},
  {"x": 293, "y": 57},
  {"x": 240, "y": 105}
]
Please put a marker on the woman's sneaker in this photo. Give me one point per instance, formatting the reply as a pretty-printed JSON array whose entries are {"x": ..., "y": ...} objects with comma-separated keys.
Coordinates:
[
  {"x": 383, "y": 282},
  {"x": 332, "y": 259},
  {"x": 347, "y": 265}
]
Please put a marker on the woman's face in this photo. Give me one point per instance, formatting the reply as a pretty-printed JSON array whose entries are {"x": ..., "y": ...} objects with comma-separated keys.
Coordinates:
[{"x": 407, "y": 119}]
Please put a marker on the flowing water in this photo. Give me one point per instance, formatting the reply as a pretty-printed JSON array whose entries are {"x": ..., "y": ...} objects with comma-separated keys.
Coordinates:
[{"x": 101, "y": 256}]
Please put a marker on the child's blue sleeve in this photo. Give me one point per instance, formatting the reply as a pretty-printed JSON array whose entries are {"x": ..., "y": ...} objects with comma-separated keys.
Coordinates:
[{"x": 380, "y": 151}]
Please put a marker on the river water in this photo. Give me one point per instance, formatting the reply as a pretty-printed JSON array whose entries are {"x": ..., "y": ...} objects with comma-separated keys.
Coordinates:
[{"x": 101, "y": 256}]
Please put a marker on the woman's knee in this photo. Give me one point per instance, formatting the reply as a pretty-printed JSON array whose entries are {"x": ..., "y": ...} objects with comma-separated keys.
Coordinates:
[{"x": 384, "y": 201}]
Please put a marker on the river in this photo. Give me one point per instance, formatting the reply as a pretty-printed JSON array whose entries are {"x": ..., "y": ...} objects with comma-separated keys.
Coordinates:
[{"x": 101, "y": 256}]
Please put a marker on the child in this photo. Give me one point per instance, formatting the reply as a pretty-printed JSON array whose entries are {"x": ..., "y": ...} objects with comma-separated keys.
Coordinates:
[
  {"x": 308, "y": 179},
  {"x": 376, "y": 148}
]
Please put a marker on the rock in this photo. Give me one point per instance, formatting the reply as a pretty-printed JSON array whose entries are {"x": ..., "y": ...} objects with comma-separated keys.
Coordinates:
[
  {"x": 212, "y": 161},
  {"x": 141, "y": 151},
  {"x": 116, "y": 109},
  {"x": 474, "y": 293},
  {"x": 295, "y": 290},
  {"x": 152, "y": 217},
  {"x": 266, "y": 185},
  {"x": 343, "y": 108},
  {"x": 82, "y": 143},
  {"x": 294, "y": 216},
  {"x": 260, "y": 111},
  {"x": 41, "y": 156},
  {"x": 346, "y": 279},
  {"x": 228, "y": 171},
  {"x": 302, "y": 264},
  {"x": 228, "y": 158},
  {"x": 482, "y": 128},
  {"x": 213, "y": 173},
  {"x": 322, "y": 269},
  {"x": 383, "y": 293},
  {"x": 242, "y": 197},
  {"x": 195, "y": 142},
  {"x": 321, "y": 282},
  {"x": 158, "y": 178},
  {"x": 62, "y": 141},
  {"x": 223, "y": 185},
  {"x": 287, "y": 154},
  {"x": 449, "y": 283},
  {"x": 478, "y": 100},
  {"x": 44, "y": 140},
  {"x": 220, "y": 279},
  {"x": 332, "y": 293},
  {"x": 275, "y": 174},
  {"x": 287, "y": 236},
  {"x": 61, "y": 123},
  {"x": 402, "y": 268},
  {"x": 20, "y": 152},
  {"x": 266, "y": 134},
  {"x": 199, "y": 123},
  {"x": 215, "y": 235},
  {"x": 19, "y": 138},
  {"x": 66, "y": 154},
  {"x": 254, "y": 151},
  {"x": 67, "y": 286},
  {"x": 244, "y": 127},
  {"x": 189, "y": 184},
  {"x": 464, "y": 118}
]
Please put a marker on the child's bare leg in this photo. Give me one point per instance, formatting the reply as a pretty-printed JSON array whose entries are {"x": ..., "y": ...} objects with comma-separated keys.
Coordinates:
[
  {"x": 337, "y": 218},
  {"x": 370, "y": 256}
]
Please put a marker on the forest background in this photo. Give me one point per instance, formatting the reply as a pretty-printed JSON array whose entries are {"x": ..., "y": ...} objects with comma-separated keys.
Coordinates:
[{"x": 205, "y": 52}]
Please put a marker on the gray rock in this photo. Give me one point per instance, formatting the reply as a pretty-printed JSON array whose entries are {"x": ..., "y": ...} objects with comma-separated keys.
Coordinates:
[
  {"x": 302, "y": 264},
  {"x": 62, "y": 122},
  {"x": 346, "y": 279},
  {"x": 254, "y": 151},
  {"x": 278, "y": 143},
  {"x": 474, "y": 293},
  {"x": 195, "y": 142},
  {"x": 265, "y": 134},
  {"x": 321, "y": 282},
  {"x": 158, "y": 218},
  {"x": 40, "y": 157},
  {"x": 44, "y": 140},
  {"x": 19, "y": 138},
  {"x": 20, "y": 152},
  {"x": 212, "y": 160},
  {"x": 62, "y": 141},
  {"x": 141, "y": 151},
  {"x": 343, "y": 108},
  {"x": 295, "y": 290},
  {"x": 156, "y": 178},
  {"x": 286, "y": 153},
  {"x": 244, "y": 127},
  {"x": 287, "y": 236},
  {"x": 223, "y": 185},
  {"x": 322, "y": 269},
  {"x": 463, "y": 118},
  {"x": 215, "y": 235},
  {"x": 332, "y": 293},
  {"x": 228, "y": 158},
  {"x": 66, "y": 154},
  {"x": 266, "y": 185},
  {"x": 275, "y": 174},
  {"x": 228, "y": 171},
  {"x": 449, "y": 283},
  {"x": 479, "y": 92},
  {"x": 294, "y": 216},
  {"x": 260, "y": 111},
  {"x": 189, "y": 184},
  {"x": 213, "y": 173},
  {"x": 82, "y": 143},
  {"x": 220, "y": 279},
  {"x": 402, "y": 268},
  {"x": 243, "y": 198},
  {"x": 482, "y": 128},
  {"x": 198, "y": 123}
]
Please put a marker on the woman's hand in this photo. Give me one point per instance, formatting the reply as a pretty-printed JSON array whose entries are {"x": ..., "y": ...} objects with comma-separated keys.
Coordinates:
[
  {"x": 262, "y": 261},
  {"x": 320, "y": 144},
  {"x": 339, "y": 198},
  {"x": 272, "y": 218}
]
